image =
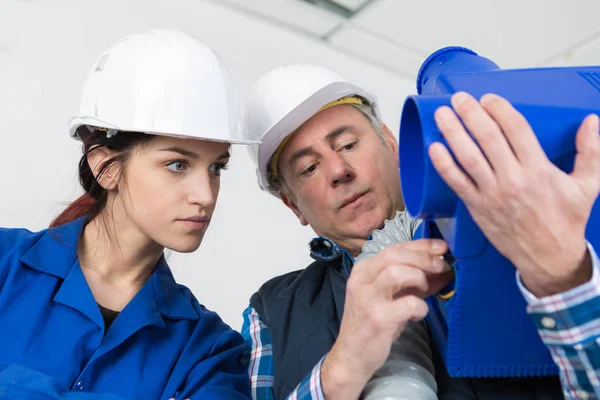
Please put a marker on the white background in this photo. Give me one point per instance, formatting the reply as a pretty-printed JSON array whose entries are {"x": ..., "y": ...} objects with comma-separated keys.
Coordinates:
[{"x": 47, "y": 46}]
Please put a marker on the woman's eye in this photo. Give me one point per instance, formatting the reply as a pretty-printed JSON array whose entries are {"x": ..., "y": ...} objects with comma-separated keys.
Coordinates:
[
  {"x": 216, "y": 169},
  {"x": 176, "y": 166}
]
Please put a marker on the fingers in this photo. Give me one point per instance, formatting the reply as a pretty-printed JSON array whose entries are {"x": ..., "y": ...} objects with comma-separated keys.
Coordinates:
[
  {"x": 464, "y": 148},
  {"x": 424, "y": 254},
  {"x": 408, "y": 308},
  {"x": 587, "y": 161},
  {"x": 452, "y": 174},
  {"x": 407, "y": 267},
  {"x": 435, "y": 283},
  {"x": 515, "y": 128},
  {"x": 396, "y": 278},
  {"x": 486, "y": 131}
]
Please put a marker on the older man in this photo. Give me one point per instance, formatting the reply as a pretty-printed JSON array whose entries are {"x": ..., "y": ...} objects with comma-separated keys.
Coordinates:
[{"x": 322, "y": 332}]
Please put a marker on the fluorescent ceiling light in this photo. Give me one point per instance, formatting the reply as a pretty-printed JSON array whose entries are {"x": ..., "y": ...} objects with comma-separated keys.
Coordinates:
[
  {"x": 352, "y": 5},
  {"x": 345, "y": 8}
]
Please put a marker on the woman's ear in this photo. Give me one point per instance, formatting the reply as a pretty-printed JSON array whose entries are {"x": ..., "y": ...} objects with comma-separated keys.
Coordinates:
[{"x": 105, "y": 171}]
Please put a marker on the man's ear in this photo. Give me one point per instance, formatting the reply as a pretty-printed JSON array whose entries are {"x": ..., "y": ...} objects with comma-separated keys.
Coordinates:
[
  {"x": 288, "y": 201},
  {"x": 390, "y": 140},
  {"x": 105, "y": 175},
  {"x": 389, "y": 137}
]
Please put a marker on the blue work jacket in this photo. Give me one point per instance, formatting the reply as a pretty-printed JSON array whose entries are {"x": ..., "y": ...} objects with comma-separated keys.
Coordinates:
[{"x": 163, "y": 344}]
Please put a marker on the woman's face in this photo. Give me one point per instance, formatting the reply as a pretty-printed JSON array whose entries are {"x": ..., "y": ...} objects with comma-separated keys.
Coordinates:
[{"x": 168, "y": 190}]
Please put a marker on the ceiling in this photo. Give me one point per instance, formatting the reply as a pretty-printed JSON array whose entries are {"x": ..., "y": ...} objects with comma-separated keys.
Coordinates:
[{"x": 398, "y": 35}]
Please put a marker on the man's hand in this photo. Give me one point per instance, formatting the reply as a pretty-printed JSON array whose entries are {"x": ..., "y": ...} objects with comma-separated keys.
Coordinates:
[
  {"x": 383, "y": 293},
  {"x": 531, "y": 211}
]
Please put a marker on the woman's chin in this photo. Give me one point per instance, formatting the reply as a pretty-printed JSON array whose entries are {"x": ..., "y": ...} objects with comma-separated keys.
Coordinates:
[{"x": 184, "y": 245}]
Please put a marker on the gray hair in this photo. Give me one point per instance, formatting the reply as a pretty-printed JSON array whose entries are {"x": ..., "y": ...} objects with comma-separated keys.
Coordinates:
[{"x": 276, "y": 182}]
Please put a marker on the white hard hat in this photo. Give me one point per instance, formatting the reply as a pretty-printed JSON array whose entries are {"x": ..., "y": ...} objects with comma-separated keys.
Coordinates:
[
  {"x": 162, "y": 82},
  {"x": 285, "y": 98}
]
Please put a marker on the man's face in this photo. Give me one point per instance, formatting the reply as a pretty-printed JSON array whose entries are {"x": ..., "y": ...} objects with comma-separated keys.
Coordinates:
[{"x": 342, "y": 176}]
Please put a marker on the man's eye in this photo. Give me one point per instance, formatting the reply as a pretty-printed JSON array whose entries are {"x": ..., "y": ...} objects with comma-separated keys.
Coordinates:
[
  {"x": 312, "y": 168},
  {"x": 349, "y": 146}
]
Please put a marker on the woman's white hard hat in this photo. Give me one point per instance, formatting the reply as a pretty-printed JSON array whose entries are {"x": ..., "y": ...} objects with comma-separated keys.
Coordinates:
[{"x": 161, "y": 82}]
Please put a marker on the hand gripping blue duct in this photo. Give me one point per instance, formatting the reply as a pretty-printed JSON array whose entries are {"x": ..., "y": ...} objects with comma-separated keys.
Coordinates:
[{"x": 481, "y": 327}]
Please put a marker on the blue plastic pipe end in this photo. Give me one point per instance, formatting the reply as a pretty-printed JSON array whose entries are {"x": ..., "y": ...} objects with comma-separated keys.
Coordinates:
[
  {"x": 426, "y": 194},
  {"x": 435, "y": 59}
]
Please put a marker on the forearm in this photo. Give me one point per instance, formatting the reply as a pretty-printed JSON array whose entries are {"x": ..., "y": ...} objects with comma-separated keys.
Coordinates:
[{"x": 569, "y": 325}]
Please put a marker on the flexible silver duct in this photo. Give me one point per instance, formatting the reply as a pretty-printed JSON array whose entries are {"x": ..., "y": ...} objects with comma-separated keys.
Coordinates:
[{"x": 408, "y": 373}]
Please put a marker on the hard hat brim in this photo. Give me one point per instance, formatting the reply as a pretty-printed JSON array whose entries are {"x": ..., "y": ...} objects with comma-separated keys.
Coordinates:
[{"x": 76, "y": 122}]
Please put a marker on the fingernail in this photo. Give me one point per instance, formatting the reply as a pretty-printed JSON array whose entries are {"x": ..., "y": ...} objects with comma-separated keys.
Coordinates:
[
  {"x": 442, "y": 114},
  {"x": 486, "y": 98},
  {"x": 595, "y": 120},
  {"x": 459, "y": 98},
  {"x": 438, "y": 246}
]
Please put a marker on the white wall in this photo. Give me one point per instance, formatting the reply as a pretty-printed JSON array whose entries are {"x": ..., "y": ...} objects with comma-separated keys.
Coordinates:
[{"x": 45, "y": 49}]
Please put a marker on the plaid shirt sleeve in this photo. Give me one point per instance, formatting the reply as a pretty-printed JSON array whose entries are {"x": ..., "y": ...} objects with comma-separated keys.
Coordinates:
[
  {"x": 569, "y": 325},
  {"x": 259, "y": 361}
]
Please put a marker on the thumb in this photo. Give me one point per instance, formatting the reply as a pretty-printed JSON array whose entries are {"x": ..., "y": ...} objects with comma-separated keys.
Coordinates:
[
  {"x": 435, "y": 283},
  {"x": 587, "y": 160}
]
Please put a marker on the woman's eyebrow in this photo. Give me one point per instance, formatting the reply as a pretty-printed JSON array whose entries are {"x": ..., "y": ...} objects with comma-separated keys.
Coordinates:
[{"x": 183, "y": 152}]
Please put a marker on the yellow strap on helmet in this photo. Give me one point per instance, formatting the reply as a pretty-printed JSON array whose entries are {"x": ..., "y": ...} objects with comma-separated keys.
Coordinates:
[{"x": 277, "y": 153}]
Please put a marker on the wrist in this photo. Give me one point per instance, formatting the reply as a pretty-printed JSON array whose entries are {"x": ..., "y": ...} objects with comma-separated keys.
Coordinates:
[
  {"x": 341, "y": 375},
  {"x": 561, "y": 278}
]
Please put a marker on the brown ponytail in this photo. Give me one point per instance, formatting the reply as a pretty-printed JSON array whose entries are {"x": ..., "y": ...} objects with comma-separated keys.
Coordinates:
[{"x": 77, "y": 209}]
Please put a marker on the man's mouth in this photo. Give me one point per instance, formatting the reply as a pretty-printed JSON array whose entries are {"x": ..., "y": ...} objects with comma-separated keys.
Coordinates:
[{"x": 351, "y": 199}]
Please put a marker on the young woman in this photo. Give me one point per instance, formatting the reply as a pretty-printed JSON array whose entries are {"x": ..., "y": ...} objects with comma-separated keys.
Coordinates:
[{"x": 90, "y": 304}]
